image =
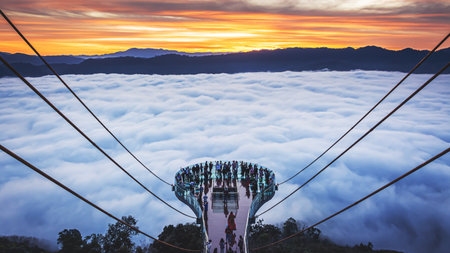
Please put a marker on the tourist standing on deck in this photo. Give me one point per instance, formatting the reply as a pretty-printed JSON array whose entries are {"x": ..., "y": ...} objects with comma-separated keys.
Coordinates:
[
  {"x": 231, "y": 223},
  {"x": 205, "y": 204},
  {"x": 228, "y": 234},
  {"x": 208, "y": 246},
  {"x": 222, "y": 245},
  {"x": 241, "y": 244}
]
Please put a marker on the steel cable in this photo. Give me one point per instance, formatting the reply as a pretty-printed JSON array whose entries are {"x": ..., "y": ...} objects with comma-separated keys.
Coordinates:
[
  {"x": 20, "y": 159},
  {"x": 85, "y": 136},
  {"x": 376, "y": 105},
  {"x": 76, "y": 96},
  {"x": 362, "y": 137},
  {"x": 359, "y": 201}
]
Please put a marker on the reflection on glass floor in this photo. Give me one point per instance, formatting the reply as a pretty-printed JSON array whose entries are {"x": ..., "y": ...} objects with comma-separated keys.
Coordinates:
[{"x": 224, "y": 197}]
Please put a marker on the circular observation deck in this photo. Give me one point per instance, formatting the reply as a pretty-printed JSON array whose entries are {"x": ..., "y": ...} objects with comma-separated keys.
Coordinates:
[{"x": 225, "y": 196}]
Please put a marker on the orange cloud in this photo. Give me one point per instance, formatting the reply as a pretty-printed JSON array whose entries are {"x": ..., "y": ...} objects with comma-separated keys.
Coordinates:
[{"x": 85, "y": 28}]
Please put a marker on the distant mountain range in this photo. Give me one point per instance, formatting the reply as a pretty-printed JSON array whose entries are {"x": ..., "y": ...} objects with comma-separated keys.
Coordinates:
[
  {"x": 145, "y": 53},
  {"x": 160, "y": 61},
  {"x": 75, "y": 59}
]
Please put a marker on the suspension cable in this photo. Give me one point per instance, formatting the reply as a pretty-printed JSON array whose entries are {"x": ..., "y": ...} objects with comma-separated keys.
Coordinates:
[
  {"x": 20, "y": 159},
  {"x": 362, "y": 137},
  {"x": 359, "y": 201},
  {"x": 76, "y": 96},
  {"x": 85, "y": 136},
  {"x": 365, "y": 115}
]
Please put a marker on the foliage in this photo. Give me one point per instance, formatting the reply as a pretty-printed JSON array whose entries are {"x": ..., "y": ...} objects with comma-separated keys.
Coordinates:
[
  {"x": 93, "y": 243},
  {"x": 20, "y": 244},
  {"x": 309, "y": 241},
  {"x": 186, "y": 236},
  {"x": 262, "y": 234},
  {"x": 290, "y": 227},
  {"x": 70, "y": 240},
  {"x": 118, "y": 237}
]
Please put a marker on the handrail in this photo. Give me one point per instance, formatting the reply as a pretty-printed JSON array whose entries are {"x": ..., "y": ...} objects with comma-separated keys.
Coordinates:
[
  {"x": 189, "y": 200},
  {"x": 185, "y": 195},
  {"x": 256, "y": 204}
]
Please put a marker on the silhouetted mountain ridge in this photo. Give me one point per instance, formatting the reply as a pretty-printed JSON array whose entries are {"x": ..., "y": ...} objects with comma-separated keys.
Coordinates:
[
  {"x": 75, "y": 59},
  {"x": 290, "y": 59},
  {"x": 145, "y": 53},
  {"x": 32, "y": 59}
]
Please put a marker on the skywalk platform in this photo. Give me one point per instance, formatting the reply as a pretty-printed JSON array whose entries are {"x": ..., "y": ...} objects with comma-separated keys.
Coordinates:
[{"x": 225, "y": 197}]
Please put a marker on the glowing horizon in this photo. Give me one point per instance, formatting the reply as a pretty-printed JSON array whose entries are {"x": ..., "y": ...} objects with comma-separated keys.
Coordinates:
[{"x": 85, "y": 28}]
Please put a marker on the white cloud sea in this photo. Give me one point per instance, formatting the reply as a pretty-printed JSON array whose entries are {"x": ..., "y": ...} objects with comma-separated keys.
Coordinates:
[{"x": 279, "y": 120}]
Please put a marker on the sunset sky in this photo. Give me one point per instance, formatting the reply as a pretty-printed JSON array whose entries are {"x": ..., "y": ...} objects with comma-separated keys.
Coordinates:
[{"x": 98, "y": 27}]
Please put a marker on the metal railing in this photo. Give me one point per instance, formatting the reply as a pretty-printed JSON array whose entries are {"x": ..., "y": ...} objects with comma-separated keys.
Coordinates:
[
  {"x": 184, "y": 193},
  {"x": 185, "y": 196},
  {"x": 259, "y": 200}
]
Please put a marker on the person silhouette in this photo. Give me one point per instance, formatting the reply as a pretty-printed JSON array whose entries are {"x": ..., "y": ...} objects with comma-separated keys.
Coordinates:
[
  {"x": 231, "y": 223},
  {"x": 208, "y": 246},
  {"x": 241, "y": 244},
  {"x": 222, "y": 245}
]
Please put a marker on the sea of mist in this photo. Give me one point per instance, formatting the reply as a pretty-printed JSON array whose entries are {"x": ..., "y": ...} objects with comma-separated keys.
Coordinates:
[{"x": 279, "y": 120}]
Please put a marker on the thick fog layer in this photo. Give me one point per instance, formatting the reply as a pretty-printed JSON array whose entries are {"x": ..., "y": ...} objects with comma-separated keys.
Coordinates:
[{"x": 278, "y": 120}]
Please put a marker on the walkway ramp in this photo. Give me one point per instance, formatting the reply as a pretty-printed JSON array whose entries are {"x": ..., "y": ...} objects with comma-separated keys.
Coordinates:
[{"x": 224, "y": 202}]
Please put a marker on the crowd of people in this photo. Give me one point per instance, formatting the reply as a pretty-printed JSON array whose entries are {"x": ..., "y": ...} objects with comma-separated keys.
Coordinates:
[
  {"x": 223, "y": 246},
  {"x": 194, "y": 176},
  {"x": 198, "y": 180}
]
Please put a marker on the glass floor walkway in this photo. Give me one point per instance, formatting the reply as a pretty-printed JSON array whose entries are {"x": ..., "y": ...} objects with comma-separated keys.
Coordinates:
[{"x": 225, "y": 197}]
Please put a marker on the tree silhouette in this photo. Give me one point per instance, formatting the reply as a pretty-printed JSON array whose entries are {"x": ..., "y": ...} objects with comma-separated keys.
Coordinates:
[
  {"x": 187, "y": 236},
  {"x": 93, "y": 243},
  {"x": 71, "y": 241},
  {"x": 290, "y": 227},
  {"x": 118, "y": 236}
]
